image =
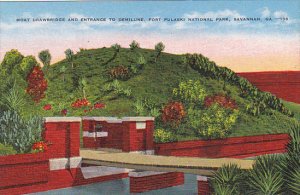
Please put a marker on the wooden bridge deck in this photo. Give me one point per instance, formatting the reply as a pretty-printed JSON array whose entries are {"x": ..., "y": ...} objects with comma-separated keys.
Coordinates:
[{"x": 201, "y": 166}]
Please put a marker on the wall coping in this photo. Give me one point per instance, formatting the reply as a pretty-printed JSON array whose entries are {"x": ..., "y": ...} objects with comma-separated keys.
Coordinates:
[
  {"x": 202, "y": 178},
  {"x": 139, "y": 118},
  {"x": 144, "y": 173},
  {"x": 120, "y": 120},
  {"x": 62, "y": 119}
]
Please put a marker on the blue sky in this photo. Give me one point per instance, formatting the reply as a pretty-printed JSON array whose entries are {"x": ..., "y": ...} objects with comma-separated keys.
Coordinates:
[
  {"x": 233, "y": 44},
  {"x": 146, "y": 9}
]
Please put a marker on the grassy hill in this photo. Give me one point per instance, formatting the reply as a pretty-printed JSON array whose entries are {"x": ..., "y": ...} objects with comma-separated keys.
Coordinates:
[{"x": 149, "y": 85}]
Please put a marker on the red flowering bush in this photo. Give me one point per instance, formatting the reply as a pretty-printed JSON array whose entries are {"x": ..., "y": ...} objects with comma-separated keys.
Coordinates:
[
  {"x": 36, "y": 84},
  {"x": 221, "y": 100},
  {"x": 173, "y": 113},
  {"x": 64, "y": 112},
  {"x": 119, "y": 72},
  {"x": 39, "y": 146},
  {"x": 80, "y": 103},
  {"x": 99, "y": 105},
  {"x": 47, "y": 107}
]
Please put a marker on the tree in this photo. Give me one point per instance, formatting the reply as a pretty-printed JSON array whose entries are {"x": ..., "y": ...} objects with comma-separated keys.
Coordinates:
[
  {"x": 116, "y": 47},
  {"x": 69, "y": 56},
  {"x": 62, "y": 70},
  {"x": 45, "y": 58},
  {"x": 159, "y": 47},
  {"x": 36, "y": 84},
  {"x": 134, "y": 45},
  {"x": 12, "y": 59},
  {"x": 27, "y": 65}
]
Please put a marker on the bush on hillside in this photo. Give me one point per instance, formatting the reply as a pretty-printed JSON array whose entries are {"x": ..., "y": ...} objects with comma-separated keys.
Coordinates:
[
  {"x": 163, "y": 136},
  {"x": 173, "y": 113},
  {"x": 214, "y": 122},
  {"x": 190, "y": 92},
  {"x": 119, "y": 72}
]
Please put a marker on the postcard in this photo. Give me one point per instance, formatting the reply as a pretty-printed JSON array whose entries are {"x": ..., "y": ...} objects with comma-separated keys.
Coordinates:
[{"x": 150, "y": 97}]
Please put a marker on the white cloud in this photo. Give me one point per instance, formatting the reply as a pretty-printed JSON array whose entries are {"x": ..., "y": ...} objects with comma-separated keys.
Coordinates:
[
  {"x": 265, "y": 12},
  {"x": 280, "y": 14}
]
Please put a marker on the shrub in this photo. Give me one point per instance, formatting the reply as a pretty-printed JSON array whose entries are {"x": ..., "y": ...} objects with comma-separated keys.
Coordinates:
[
  {"x": 214, "y": 122},
  {"x": 146, "y": 107},
  {"x": 19, "y": 133},
  {"x": 116, "y": 88},
  {"x": 134, "y": 45},
  {"x": 141, "y": 60},
  {"x": 36, "y": 84},
  {"x": 256, "y": 108},
  {"x": 265, "y": 177},
  {"x": 173, "y": 113},
  {"x": 221, "y": 100},
  {"x": 119, "y": 72},
  {"x": 163, "y": 136},
  {"x": 291, "y": 163},
  {"x": 227, "y": 180},
  {"x": 13, "y": 99},
  {"x": 190, "y": 92}
]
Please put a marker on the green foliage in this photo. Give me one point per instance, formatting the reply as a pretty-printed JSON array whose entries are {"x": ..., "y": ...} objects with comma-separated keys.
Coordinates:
[
  {"x": 146, "y": 107},
  {"x": 228, "y": 180},
  {"x": 69, "y": 56},
  {"x": 27, "y": 65},
  {"x": 13, "y": 99},
  {"x": 63, "y": 70},
  {"x": 163, "y": 136},
  {"x": 116, "y": 47},
  {"x": 6, "y": 150},
  {"x": 159, "y": 47},
  {"x": 134, "y": 45},
  {"x": 45, "y": 58},
  {"x": 214, "y": 122},
  {"x": 291, "y": 163},
  {"x": 256, "y": 108},
  {"x": 190, "y": 92},
  {"x": 265, "y": 178},
  {"x": 141, "y": 60},
  {"x": 83, "y": 86},
  {"x": 116, "y": 89},
  {"x": 19, "y": 133},
  {"x": 11, "y": 60},
  {"x": 209, "y": 69}
]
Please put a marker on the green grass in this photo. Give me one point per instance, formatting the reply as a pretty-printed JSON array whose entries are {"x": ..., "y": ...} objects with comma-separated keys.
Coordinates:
[
  {"x": 154, "y": 82},
  {"x": 6, "y": 150}
]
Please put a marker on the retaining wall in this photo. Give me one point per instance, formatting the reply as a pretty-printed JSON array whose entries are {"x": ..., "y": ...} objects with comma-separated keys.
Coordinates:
[{"x": 235, "y": 147}]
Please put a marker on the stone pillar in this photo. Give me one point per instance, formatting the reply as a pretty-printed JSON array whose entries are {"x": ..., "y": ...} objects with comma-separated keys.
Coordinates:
[
  {"x": 63, "y": 134},
  {"x": 204, "y": 186}
]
